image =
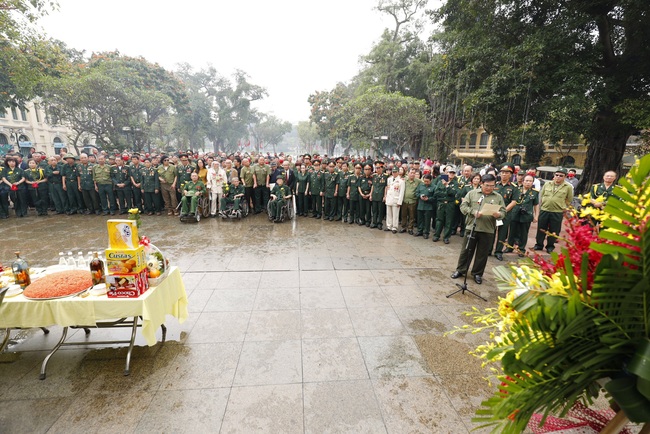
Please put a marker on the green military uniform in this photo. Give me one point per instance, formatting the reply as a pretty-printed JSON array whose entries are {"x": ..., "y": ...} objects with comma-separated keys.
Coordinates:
[
  {"x": 445, "y": 196},
  {"x": 483, "y": 237},
  {"x": 150, "y": 188},
  {"x": 38, "y": 192},
  {"x": 87, "y": 185},
  {"x": 192, "y": 190},
  {"x": 364, "y": 188},
  {"x": 377, "y": 198},
  {"x": 342, "y": 202},
  {"x": 183, "y": 175},
  {"x": 554, "y": 200},
  {"x": 302, "y": 203},
  {"x": 232, "y": 197},
  {"x": 509, "y": 193},
  {"x": 464, "y": 185},
  {"x": 70, "y": 173},
  {"x": 425, "y": 206},
  {"x": 280, "y": 192},
  {"x": 122, "y": 175},
  {"x": 601, "y": 190},
  {"x": 522, "y": 216},
  {"x": 246, "y": 177},
  {"x": 55, "y": 186},
  {"x": 316, "y": 186},
  {"x": 18, "y": 195},
  {"x": 261, "y": 191},
  {"x": 353, "y": 185},
  {"x": 104, "y": 185},
  {"x": 410, "y": 203},
  {"x": 330, "y": 181},
  {"x": 136, "y": 183}
]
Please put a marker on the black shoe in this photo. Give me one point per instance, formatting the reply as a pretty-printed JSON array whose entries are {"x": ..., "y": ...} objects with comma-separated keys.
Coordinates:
[
  {"x": 456, "y": 275},
  {"x": 549, "y": 250},
  {"x": 112, "y": 212},
  {"x": 394, "y": 231},
  {"x": 436, "y": 239},
  {"x": 478, "y": 279},
  {"x": 98, "y": 212},
  {"x": 387, "y": 230},
  {"x": 379, "y": 227},
  {"x": 411, "y": 232},
  {"x": 373, "y": 226},
  {"x": 367, "y": 225},
  {"x": 536, "y": 247},
  {"x": 338, "y": 219},
  {"x": 425, "y": 236},
  {"x": 499, "y": 256},
  {"x": 123, "y": 212},
  {"x": 401, "y": 231},
  {"x": 105, "y": 213},
  {"x": 446, "y": 240},
  {"x": 417, "y": 234},
  {"x": 360, "y": 223}
]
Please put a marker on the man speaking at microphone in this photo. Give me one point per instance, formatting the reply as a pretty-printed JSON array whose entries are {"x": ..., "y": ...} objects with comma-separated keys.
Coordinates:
[{"x": 473, "y": 206}]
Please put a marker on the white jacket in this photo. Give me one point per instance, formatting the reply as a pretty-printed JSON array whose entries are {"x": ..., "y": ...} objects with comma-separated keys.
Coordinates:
[
  {"x": 395, "y": 188},
  {"x": 216, "y": 179}
]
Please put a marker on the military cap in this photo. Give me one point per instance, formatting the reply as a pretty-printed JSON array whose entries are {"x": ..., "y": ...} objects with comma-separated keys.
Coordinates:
[
  {"x": 561, "y": 170},
  {"x": 507, "y": 168},
  {"x": 280, "y": 177},
  {"x": 68, "y": 155},
  {"x": 395, "y": 169},
  {"x": 451, "y": 169}
]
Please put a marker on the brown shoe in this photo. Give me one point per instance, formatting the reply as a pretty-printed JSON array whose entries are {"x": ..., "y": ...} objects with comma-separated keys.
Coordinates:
[
  {"x": 170, "y": 213},
  {"x": 176, "y": 212}
]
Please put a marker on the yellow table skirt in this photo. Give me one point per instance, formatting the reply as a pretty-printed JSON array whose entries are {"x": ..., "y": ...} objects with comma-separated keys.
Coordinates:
[{"x": 168, "y": 298}]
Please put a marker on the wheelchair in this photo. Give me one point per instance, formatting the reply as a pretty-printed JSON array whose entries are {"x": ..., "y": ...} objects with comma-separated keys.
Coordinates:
[
  {"x": 202, "y": 210},
  {"x": 230, "y": 213},
  {"x": 288, "y": 210}
]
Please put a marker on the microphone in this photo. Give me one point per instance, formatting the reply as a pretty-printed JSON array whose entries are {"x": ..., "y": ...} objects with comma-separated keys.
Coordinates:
[{"x": 480, "y": 201}]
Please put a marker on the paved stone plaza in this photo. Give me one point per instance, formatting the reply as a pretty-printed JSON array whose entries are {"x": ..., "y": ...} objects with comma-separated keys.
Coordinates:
[{"x": 305, "y": 326}]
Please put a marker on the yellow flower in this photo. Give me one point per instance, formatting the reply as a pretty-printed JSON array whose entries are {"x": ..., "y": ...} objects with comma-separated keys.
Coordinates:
[
  {"x": 134, "y": 211},
  {"x": 556, "y": 286}
]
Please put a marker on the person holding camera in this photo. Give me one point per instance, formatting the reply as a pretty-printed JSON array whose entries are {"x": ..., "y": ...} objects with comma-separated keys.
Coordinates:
[{"x": 525, "y": 212}]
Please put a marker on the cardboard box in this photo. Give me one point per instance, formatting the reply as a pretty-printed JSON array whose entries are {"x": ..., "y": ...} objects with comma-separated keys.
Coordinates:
[
  {"x": 125, "y": 261},
  {"x": 130, "y": 285},
  {"x": 123, "y": 234}
]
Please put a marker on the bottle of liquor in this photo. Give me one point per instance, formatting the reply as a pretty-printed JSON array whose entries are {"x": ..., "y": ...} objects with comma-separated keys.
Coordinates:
[
  {"x": 21, "y": 271},
  {"x": 97, "y": 270}
]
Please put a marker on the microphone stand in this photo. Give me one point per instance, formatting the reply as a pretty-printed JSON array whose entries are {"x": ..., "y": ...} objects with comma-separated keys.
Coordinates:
[{"x": 462, "y": 287}]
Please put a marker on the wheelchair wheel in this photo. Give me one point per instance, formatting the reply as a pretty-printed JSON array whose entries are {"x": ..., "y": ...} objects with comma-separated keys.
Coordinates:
[
  {"x": 291, "y": 212},
  {"x": 268, "y": 210},
  {"x": 205, "y": 206},
  {"x": 244, "y": 209}
]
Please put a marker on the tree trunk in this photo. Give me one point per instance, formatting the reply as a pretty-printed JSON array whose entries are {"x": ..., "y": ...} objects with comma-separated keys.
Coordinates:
[{"x": 605, "y": 150}]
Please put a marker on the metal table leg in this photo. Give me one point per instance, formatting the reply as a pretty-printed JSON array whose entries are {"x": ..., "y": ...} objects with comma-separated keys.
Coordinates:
[
  {"x": 5, "y": 341},
  {"x": 164, "y": 333},
  {"x": 127, "y": 371},
  {"x": 54, "y": 350}
]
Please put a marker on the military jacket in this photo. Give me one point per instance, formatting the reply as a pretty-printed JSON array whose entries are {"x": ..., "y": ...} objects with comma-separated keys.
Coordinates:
[
  {"x": 526, "y": 201},
  {"x": 33, "y": 175},
  {"x": 43, "y": 164},
  {"x": 184, "y": 174},
  {"x": 280, "y": 191},
  {"x": 429, "y": 192},
  {"x": 150, "y": 180},
  {"x": 246, "y": 175},
  {"x": 598, "y": 190},
  {"x": 136, "y": 173},
  {"x": 168, "y": 175},
  {"x": 191, "y": 188},
  {"x": 508, "y": 191},
  {"x": 121, "y": 175},
  {"x": 102, "y": 174},
  {"x": 353, "y": 182},
  {"x": 463, "y": 192},
  {"x": 234, "y": 191},
  {"x": 302, "y": 181},
  {"x": 365, "y": 184},
  {"x": 379, "y": 187},
  {"x": 54, "y": 178},
  {"x": 261, "y": 172},
  {"x": 14, "y": 175},
  {"x": 447, "y": 193},
  {"x": 70, "y": 173},
  {"x": 470, "y": 205},
  {"x": 331, "y": 180},
  {"x": 344, "y": 181},
  {"x": 555, "y": 198},
  {"x": 411, "y": 186},
  {"x": 316, "y": 182},
  {"x": 86, "y": 176}
]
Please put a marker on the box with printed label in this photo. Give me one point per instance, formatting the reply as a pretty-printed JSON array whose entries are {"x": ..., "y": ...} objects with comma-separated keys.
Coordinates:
[
  {"x": 124, "y": 261},
  {"x": 131, "y": 285},
  {"x": 122, "y": 234}
]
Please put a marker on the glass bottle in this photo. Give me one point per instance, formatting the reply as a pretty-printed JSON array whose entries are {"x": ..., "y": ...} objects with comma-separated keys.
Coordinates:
[
  {"x": 21, "y": 271},
  {"x": 81, "y": 262},
  {"x": 62, "y": 260},
  {"x": 89, "y": 258},
  {"x": 97, "y": 270},
  {"x": 71, "y": 261}
]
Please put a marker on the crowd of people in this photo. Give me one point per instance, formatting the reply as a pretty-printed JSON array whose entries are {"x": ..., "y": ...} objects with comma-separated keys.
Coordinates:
[{"x": 418, "y": 197}]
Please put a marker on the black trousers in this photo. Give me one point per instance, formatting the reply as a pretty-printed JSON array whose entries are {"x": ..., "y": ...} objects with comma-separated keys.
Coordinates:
[
  {"x": 316, "y": 204},
  {"x": 354, "y": 210},
  {"x": 249, "y": 195},
  {"x": 137, "y": 198},
  {"x": 330, "y": 207},
  {"x": 378, "y": 212},
  {"x": 550, "y": 222},
  {"x": 478, "y": 249},
  {"x": 364, "y": 206},
  {"x": 262, "y": 195},
  {"x": 342, "y": 206},
  {"x": 302, "y": 203},
  {"x": 123, "y": 198},
  {"x": 152, "y": 202},
  {"x": 91, "y": 199}
]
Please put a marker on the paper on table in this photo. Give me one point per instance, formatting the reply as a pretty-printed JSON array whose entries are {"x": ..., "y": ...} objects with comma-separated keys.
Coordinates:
[{"x": 490, "y": 208}]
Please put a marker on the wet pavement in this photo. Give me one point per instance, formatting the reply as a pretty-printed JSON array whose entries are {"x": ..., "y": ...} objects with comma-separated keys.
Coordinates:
[{"x": 304, "y": 326}]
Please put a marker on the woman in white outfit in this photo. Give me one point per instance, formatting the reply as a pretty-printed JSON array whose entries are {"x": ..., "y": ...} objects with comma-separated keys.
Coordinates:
[
  {"x": 216, "y": 179},
  {"x": 395, "y": 187}
]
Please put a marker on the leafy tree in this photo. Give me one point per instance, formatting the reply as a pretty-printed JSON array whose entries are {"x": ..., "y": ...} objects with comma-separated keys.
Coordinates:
[
  {"x": 377, "y": 114},
  {"x": 565, "y": 67},
  {"x": 308, "y": 135},
  {"x": 326, "y": 110},
  {"x": 270, "y": 130}
]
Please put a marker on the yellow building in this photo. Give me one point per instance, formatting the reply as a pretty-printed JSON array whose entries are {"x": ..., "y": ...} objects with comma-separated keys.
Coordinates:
[{"x": 23, "y": 129}]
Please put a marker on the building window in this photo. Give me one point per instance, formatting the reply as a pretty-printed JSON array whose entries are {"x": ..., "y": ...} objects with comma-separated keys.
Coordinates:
[
  {"x": 37, "y": 110},
  {"x": 463, "y": 142},
  {"x": 3, "y": 140},
  {"x": 516, "y": 159},
  {"x": 14, "y": 113},
  {"x": 472, "y": 141},
  {"x": 23, "y": 114},
  {"x": 484, "y": 140},
  {"x": 3, "y": 114}
]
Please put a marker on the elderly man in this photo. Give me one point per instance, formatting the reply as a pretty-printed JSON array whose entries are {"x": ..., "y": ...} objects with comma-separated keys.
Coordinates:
[
  {"x": 555, "y": 198},
  {"x": 261, "y": 176},
  {"x": 86, "y": 185}
]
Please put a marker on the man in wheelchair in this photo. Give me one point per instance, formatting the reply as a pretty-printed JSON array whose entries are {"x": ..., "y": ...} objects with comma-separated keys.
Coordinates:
[
  {"x": 232, "y": 198},
  {"x": 279, "y": 196},
  {"x": 192, "y": 190}
]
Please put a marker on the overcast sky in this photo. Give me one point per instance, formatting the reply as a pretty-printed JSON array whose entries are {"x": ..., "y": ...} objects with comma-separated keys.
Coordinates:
[{"x": 290, "y": 47}]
